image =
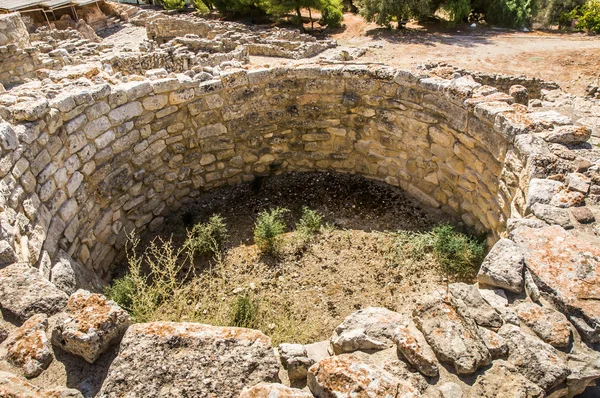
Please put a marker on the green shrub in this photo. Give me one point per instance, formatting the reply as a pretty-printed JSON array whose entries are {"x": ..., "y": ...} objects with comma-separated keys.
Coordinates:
[
  {"x": 174, "y": 4},
  {"x": 588, "y": 16},
  {"x": 244, "y": 312},
  {"x": 310, "y": 222},
  {"x": 268, "y": 229},
  {"x": 201, "y": 6},
  {"x": 207, "y": 238},
  {"x": 459, "y": 254},
  {"x": 458, "y": 10},
  {"x": 331, "y": 13},
  {"x": 122, "y": 292}
]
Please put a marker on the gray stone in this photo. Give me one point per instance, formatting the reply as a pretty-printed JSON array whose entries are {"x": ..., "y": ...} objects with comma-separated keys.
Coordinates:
[
  {"x": 584, "y": 366},
  {"x": 453, "y": 339},
  {"x": 542, "y": 191},
  {"x": 533, "y": 358},
  {"x": 359, "y": 379},
  {"x": 189, "y": 359},
  {"x": 552, "y": 215},
  {"x": 467, "y": 301},
  {"x": 68, "y": 275},
  {"x": 273, "y": 390},
  {"x": 371, "y": 328},
  {"x": 494, "y": 343},
  {"x": 578, "y": 182},
  {"x": 504, "y": 380},
  {"x": 14, "y": 386},
  {"x": 295, "y": 360},
  {"x": 7, "y": 254},
  {"x": 569, "y": 135},
  {"x": 503, "y": 267},
  {"x": 24, "y": 292}
]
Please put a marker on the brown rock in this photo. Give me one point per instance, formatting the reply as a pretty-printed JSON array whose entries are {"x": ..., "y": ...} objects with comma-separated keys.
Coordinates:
[
  {"x": 347, "y": 376},
  {"x": 273, "y": 390},
  {"x": 414, "y": 348},
  {"x": 28, "y": 347},
  {"x": 90, "y": 326},
  {"x": 551, "y": 326},
  {"x": 12, "y": 386},
  {"x": 583, "y": 215},
  {"x": 504, "y": 380},
  {"x": 567, "y": 271}
]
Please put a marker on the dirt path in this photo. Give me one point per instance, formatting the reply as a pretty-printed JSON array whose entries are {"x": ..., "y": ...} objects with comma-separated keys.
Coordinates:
[{"x": 571, "y": 60}]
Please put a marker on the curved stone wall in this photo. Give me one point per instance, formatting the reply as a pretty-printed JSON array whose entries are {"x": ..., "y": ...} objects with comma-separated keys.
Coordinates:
[{"x": 81, "y": 169}]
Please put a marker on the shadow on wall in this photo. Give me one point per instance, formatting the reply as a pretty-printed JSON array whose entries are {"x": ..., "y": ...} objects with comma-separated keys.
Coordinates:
[{"x": 106, "y": 160}]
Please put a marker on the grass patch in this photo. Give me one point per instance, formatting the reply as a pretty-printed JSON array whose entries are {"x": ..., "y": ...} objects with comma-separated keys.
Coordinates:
[
  {"x": 456, "y": 254},
  {"x": 269, "y": 227},
  {"x": 207, "y": 238}
]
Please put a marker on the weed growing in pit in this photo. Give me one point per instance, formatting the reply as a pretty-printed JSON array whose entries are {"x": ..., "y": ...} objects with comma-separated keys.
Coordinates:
[
  {"x": 269, "y": 227},
  {"x": 207, "y": 238},
  {"x": 310, "y": 222},
  {"x": 244, "y": 312},
  {"x": 457, "y": 254}
]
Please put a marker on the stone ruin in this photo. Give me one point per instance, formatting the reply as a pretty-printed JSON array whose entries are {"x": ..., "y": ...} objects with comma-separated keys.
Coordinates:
[{"x": 88, "y": 156}]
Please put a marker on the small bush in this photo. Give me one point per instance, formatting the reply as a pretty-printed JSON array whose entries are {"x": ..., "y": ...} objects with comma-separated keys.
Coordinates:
[
  {"x": 207, "y": 238},
  {"x": 332, "y": 14},
  {"x": 244, "y": 312},
  {"x": 310, "y": 222},
  {"x": 458, "y": 253},
  {"x": 174, "y": 4},
  {"x": 268, "y": 229},
  {"x": 588, "y": 16},
  {"x": 122, "y": 292}
]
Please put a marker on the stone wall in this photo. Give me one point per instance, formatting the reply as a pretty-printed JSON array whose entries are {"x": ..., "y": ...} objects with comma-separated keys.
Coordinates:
[
  {"x": 500, "y": 81},
  {"x": 81, "y": 169},
  {"x": 17, "y": 59}
]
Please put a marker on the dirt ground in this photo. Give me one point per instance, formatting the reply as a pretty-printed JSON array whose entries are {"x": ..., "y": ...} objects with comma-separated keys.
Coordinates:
[
  {"x": 306, "y": 290},
  {"x": 570, "y": 59}
]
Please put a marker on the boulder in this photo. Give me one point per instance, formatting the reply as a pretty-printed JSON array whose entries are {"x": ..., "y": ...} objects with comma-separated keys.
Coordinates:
[
  {"x": 68, "y": 275},
  {"x": 273, "y": 390},
  {"x": 12, "y": 386},
  {"x": 542, "y": 190},
  {"x": 189, "y": 359},
  {"x": 497, "y": 299},
  {"x": 453, "y": 339},
  {"x": 503, "y": 267},
  {"x": 494, "y": 343},
  {"x": 295, "y": 360},
  {"x": 467, "y": 301},
  {"x": 584, "y": 366},
  {"x": 567, "y": 271},
  {"x": 413, "y": 346},
  {"x": 504, "y": 380},
  {"x": 368, "y": 329},
  {"x": 28, "y": 347},
  {"x": 552, "y": 215},
  {"x": 90, "y": 325},
  {"x": 24, "y": 292},
  {"x": 534, "y": 359},
  {"x": 550, "y": 325},
  {"x": 347, "y": 376}
]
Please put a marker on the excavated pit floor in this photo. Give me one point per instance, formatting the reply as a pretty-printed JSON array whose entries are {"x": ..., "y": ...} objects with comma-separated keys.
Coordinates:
[{"x": 306, "y": 291}]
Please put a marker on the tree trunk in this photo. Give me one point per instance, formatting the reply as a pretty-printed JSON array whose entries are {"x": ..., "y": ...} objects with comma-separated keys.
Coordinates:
[
  {"x": 312, "y": 23},
  {"x": 300, "y": 18}
]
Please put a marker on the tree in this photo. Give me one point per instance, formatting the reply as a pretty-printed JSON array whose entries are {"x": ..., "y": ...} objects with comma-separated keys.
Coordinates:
[
  {"x": 383, "y": 12},
  {"x": 507, "y": 13},
  {"x": 331, "y": 10}
]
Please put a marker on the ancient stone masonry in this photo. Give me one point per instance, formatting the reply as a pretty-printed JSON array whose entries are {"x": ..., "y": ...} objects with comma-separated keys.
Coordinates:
[
  {"x": 502, "y": 82},
  {"x": 87, "y": 157},
  {"x": 115, "y": 158},
  {"x": 267, "y": 42},
  {"x": 18, "y": 60}
]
